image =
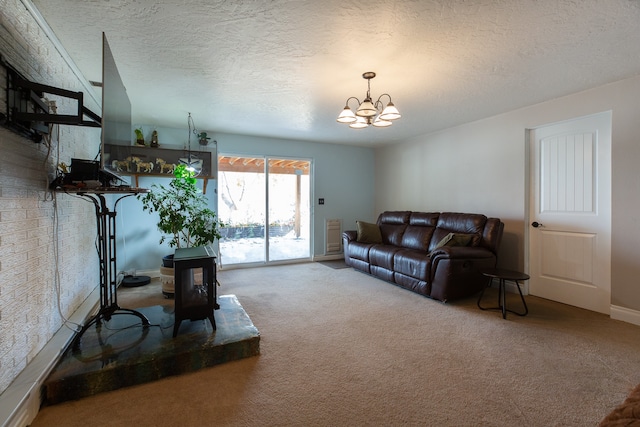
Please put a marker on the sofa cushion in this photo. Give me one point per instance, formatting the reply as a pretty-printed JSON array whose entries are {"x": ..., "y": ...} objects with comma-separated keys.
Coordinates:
[
  {"x": 455, "y": 239},
  {"x": 368, "y": 232},
  {"x": 419, "y": 231},
  {"x": 392, "y": 226},
  {"x": 492, "y": 235},
  {"x": 416, "y": 237},
  {"x": 360, "y": 251},
  {"x": 412, "y": 263},
  {"x": 394, "y": 217},
  {"x": 462, "y": 222},
  {"x": 459, "y": 223},
  {"x": 382, "y": 255},
  {"x": 424, "y": 219}
]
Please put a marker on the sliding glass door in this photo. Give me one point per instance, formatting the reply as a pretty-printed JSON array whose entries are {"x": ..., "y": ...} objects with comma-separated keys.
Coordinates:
[
  {"x": 241, "y": 205},
  {"x": 288, "y": 207},
  {"x": 265, "y": 203}
]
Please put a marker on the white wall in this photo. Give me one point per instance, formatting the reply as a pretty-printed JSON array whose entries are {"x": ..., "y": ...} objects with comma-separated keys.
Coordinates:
[
  {"x": 29, "y": 314},
  {"x": 480, "y": 167}
]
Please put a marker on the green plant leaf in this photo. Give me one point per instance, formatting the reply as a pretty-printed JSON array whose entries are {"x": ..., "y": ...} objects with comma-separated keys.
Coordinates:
[{"x": 184, "y": 217}]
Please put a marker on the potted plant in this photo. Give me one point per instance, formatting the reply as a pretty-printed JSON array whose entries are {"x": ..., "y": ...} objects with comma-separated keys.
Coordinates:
[
  {"x": 203, "y": 139},
  {"x": 139, "y": 136},
  {"x": 184, "y": 217}
]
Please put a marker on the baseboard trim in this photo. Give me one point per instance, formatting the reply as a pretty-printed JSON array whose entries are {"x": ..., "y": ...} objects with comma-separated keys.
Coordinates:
[
  {"x": 327, "y": 257},
  {"x": 625, "y": 314},
  {"x": 151, "y": 273},
  {"x": 511, "y": 287},
  {"x": 21, "y": 401}
]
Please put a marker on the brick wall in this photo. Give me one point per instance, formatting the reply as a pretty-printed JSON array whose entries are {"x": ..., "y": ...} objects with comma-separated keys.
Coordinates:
[{"x": 29, "y": 231}]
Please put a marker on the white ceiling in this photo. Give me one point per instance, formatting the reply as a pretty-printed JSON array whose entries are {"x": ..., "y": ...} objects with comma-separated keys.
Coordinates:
[{"x": 284, "y": 68}]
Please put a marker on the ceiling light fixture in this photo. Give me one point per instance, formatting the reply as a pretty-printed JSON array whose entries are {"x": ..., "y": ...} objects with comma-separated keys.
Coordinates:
[{"x": 368, "y": 112}]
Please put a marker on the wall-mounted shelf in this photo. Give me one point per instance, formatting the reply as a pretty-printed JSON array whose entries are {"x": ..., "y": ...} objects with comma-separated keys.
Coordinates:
[{"x": 137, "y": 161}]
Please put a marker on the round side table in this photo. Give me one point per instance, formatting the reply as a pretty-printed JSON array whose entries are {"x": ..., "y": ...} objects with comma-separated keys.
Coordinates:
[{"x": 503, "y": 275}]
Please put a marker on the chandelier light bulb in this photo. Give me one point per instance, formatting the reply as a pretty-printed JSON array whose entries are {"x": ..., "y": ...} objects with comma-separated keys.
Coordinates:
[
  {"x": 360, "y": 123},
  {"x": 390, "y": 112},
  {"x": 346, "y": 116},
  {"x": 366, "y": 109},
  {"x": 381, "y": 123}
]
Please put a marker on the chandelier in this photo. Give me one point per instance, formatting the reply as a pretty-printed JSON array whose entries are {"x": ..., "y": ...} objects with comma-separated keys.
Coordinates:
[{"x": 368, "y": 112}]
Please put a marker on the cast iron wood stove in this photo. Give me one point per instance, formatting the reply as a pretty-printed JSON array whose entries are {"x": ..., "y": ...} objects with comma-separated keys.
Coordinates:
[{"x": 195, "y": 297}]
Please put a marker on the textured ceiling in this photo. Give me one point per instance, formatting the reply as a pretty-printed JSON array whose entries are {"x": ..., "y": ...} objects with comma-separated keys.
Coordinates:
[{"x": 284, "y": 68}]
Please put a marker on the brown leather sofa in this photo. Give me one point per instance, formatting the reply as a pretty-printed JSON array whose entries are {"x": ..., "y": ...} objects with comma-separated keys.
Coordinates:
[{"x": 438, "y": 255}]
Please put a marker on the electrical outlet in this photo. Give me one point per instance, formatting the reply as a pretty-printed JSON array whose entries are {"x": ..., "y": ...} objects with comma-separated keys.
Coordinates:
[{"x": 321, "y": 201}]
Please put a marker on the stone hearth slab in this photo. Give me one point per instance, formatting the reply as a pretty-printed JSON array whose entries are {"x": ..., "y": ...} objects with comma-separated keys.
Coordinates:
[{"x": 122, "y": 353}]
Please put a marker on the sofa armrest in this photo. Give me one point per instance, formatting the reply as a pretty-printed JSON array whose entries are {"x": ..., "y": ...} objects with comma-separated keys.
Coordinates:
[
  {"x": 349, "y": 235},
  {"x": 455, "y": 271},
  {"x": 461, "y": 252}
]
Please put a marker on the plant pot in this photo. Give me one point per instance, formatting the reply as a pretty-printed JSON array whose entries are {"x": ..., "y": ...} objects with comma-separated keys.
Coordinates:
[
  {"x": 167, "y": 261},
  {"x": 167, "y": 276},
  {"x": 167, "y": 281}
]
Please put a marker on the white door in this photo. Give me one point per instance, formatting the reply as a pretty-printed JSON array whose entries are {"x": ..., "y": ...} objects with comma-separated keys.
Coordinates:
[{"x": 570, "y": 212}]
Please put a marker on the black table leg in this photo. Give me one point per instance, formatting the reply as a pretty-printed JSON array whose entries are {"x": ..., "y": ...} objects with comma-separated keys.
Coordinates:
[{"x": 502, "y": 299}]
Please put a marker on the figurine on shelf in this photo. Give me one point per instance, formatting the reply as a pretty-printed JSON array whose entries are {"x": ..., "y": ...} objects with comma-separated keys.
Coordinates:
[
  {"x": 63, "y": 168},
  {"x": 154, "y": 139},
  {"x": 139, "y": 137},
  {"x": 164, "y": 166},
  {"x": 142, "y": 166},
  {"x": 122, "y": 165}
]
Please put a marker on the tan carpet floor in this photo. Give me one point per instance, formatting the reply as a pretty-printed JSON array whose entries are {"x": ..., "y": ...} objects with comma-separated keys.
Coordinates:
[{"x": 340, "y": 348}]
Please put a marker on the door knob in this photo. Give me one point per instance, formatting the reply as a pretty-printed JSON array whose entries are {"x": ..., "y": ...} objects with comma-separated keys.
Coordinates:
[{"x": 536, "y": 224}]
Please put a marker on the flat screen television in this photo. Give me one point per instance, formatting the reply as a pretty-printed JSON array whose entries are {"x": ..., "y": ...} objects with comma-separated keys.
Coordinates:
[{"x": 116, "y": 109}]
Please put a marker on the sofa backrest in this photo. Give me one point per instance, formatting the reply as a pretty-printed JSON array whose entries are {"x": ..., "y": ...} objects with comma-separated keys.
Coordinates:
[
  {"x": 492, "y": 235},
  {"x": 460, "y": 223},
  {"x": 392, "y": 226},
  {"x": 419, "y": 231},
  {"x": 424, "y": 230}
]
